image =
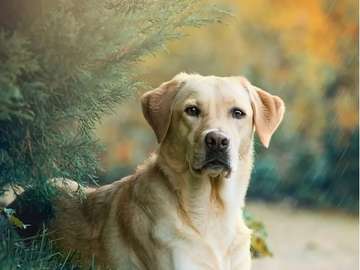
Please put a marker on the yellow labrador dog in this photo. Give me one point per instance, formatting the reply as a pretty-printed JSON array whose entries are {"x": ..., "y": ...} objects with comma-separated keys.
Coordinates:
[{"x": 182, "y": 209}]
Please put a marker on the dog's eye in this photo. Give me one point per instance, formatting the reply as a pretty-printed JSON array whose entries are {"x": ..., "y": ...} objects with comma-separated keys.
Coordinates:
[
  {"x": 192, "y": 111},
  {"x": 237, "y": 113}
]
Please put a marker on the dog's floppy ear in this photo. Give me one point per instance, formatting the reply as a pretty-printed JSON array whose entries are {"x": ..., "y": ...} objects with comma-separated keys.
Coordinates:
[
  {"x": 268, "y": 112},
  {"x": 156, "y": 106}
]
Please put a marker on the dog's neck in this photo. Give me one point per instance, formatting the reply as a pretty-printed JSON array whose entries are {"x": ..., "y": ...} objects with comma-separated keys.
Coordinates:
[{"x": 201, "y": 195}]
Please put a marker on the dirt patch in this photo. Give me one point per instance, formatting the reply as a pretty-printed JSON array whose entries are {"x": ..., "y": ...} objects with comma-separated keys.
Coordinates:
[{"x": 305, "y": 239}]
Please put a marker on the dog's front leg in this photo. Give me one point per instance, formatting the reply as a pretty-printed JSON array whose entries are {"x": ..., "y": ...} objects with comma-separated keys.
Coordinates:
[
  {"x": 241, "y": 255},
  {"x": 184, "y": 260},
  {"x": 241, "y": 261}
]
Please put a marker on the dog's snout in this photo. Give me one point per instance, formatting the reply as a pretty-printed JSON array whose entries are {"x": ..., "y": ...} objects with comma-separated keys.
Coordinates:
[{"x": 216, "y": 141}]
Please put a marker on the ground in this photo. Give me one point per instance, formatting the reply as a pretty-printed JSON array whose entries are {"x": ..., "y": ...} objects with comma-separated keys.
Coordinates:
[{"x": 308, "y": 239}]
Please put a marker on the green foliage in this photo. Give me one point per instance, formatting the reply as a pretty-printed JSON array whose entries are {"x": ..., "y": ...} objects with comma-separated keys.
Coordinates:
[
  {"x": 16, "y": 255},
  {"x": 66, "y": 63},
  {"x": 311, "y": 177},
  {"x": 258, "y": 247}
]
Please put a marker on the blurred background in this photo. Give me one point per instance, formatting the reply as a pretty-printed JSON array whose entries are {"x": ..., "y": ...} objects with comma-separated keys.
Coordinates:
[{"x": 305, "y": 187}]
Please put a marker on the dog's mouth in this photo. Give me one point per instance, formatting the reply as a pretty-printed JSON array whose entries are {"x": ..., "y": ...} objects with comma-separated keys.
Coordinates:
[{"x": 214, "y": 168}]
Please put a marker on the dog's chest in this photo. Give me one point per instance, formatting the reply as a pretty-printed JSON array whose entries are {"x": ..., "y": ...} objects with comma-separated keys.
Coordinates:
[
  {"x": 208, "y": 246},
  {"x": 217, "y": 234}
]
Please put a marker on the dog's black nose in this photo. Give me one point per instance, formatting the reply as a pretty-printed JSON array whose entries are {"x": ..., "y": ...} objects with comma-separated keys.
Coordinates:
[{"x": 216, "y": 141}]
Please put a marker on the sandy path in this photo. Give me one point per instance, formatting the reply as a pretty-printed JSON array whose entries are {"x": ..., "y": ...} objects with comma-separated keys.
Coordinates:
[{"x": 304, "y": 239}]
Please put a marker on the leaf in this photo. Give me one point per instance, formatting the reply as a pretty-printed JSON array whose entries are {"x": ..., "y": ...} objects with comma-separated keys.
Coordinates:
[
  {"x": 259, "y": 247},
  {"x": 13, "y": 220}
]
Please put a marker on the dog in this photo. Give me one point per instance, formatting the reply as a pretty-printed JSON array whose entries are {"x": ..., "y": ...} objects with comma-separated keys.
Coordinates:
[{"x": 181, "y": 209}]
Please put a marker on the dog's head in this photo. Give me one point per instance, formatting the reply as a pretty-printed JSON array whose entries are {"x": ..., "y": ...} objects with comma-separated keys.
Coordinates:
[{"x": 206, "y": 123}]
